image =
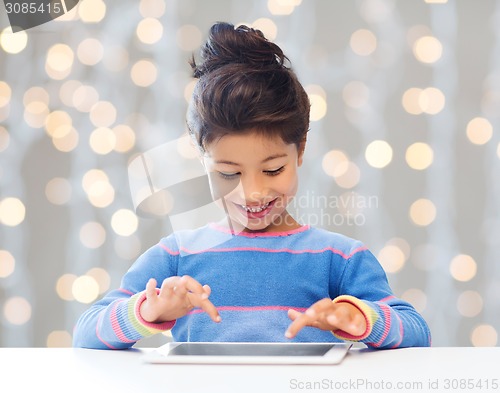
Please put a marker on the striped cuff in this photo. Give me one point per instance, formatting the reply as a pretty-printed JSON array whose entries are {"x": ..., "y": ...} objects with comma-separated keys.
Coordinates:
[
  {"x": 369, "y": 313},
  {"x": 143, "y": 327}
]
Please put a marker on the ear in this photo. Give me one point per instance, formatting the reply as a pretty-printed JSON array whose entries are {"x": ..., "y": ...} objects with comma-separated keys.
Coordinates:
[{"x": 301, "y": 149}]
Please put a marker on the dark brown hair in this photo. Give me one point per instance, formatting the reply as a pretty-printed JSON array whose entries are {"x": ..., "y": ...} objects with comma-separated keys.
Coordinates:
[{"x": 244, "y": 84}]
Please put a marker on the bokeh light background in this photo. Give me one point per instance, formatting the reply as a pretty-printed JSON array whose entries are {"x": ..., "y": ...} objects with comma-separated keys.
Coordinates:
[{"x": 403, "y": 151}]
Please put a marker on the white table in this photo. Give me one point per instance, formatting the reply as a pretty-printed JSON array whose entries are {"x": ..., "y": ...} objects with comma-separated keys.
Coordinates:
[{"x": 83, "y": 370}]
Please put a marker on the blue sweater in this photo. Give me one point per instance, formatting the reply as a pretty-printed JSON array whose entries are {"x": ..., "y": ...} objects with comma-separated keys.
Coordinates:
[{"x": 255, "y": 278}]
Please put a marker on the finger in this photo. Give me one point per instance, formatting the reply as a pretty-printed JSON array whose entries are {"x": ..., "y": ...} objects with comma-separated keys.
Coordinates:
[
  {"x": 342, "y": 317},
  {"x": 293, "y": 314},
  {"x": 192, "y": 285},
  {"x": 178, "y": 286},
  {"x": 309, "y": 318},
  {"x": 298, "y": 324},
  {"x": 207, "y": 290},
  {"x": 206, "y": 305},
  {"x": 151, "y": 288},
  {"x": 167, "y": 288},
  {"x": 321, "y": 307}
]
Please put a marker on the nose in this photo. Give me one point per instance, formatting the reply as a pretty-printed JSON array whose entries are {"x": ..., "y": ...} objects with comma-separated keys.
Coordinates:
[{"x": 253, "y": 188}]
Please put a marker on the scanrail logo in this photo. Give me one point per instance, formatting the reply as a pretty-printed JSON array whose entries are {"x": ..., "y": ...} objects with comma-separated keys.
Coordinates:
[{"x": 25, "y": 14}]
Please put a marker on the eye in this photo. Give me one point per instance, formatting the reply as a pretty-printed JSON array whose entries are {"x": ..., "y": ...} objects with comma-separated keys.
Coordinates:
[
  {"x": 228, "y": 176},
  {"x": 275, "y": 171}
]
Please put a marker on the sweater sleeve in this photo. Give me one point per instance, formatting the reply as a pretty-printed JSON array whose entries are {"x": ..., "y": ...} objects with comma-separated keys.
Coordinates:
[
  {"x": 114, "y": 322},
  {"x": 390, "y": 322}
]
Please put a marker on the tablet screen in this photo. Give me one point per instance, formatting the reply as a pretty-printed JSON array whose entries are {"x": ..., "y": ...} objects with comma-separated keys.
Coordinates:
[{"x": 218, "y": 349}]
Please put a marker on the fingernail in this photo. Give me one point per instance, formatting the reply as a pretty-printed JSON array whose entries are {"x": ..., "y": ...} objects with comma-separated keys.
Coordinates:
[
  {"x": 288, "y": 334},
  {"x": 218, "y": 318}
]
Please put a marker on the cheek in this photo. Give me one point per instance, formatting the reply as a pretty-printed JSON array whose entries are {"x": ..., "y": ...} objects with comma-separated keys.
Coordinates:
[{"x": 288, "y": 184}]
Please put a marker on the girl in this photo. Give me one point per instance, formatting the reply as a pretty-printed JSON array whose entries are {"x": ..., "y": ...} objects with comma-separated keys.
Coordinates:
[{"x": 268, "y": 278}]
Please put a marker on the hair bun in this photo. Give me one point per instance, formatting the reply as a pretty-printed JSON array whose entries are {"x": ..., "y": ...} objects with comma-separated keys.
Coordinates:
[{"x": 244, "y": 45}]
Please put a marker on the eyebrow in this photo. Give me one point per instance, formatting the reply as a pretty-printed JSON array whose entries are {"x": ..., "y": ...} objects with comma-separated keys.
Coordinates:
[{"x": 270, "y": 158}]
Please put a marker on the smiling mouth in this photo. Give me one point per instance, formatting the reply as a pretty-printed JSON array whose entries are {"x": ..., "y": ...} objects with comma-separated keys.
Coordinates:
[
  {"x": 256, "y": 209},
  {"x": 253, "y": 209}
]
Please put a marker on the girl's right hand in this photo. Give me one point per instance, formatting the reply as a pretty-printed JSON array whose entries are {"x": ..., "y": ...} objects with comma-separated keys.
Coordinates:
[{"x": 176, "y": 297}]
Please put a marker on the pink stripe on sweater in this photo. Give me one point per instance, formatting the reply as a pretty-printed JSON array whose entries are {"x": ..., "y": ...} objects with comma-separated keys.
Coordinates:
[
  {"x": 270, "y": 250},
  {"x": 97, "y": 331},
  {"x": 116, "y": 325},
  {"x": 387, "y": 324},
  {"x": 171, "y": 252},
  {"x": 260, "y": 234},
  {"x": 401, "y": 332},
  {"x": 255, "y": 308}
]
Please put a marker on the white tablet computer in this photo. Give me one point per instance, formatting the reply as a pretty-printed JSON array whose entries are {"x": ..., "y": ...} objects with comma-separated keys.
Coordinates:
[{"x": 249, "y": 353}]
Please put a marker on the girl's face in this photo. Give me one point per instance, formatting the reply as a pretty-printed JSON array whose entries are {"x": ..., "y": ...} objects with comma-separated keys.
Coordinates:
[{"x": 257, "y": 177}]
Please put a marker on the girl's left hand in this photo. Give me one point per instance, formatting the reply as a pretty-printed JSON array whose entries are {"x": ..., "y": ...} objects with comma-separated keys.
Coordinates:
[{"x": 326, "y": 315}]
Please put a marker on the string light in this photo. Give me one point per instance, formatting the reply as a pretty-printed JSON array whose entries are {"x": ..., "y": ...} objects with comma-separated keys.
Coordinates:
[
  {"x": 102, "y": 140},
  {"x": 144, "y": 73},
  {"x": 335, "y": 163},
  {"x": 392, "y": 258},
  {"x": 484, "y": 336},
  {"x": 17, "y": 310},
  {"x": 469, "y": 303},
  {"x": 102, "y": 114},
  {"x": 479, "y": 131},
  {"x": 267, "y": 26},
  {"x": 416, "y": 297},
  {"x": 13, "y": 43},
  {"x": 59, "y": 61},
  {"x": 64, "y": 286},
  {"x": 5, "y": 93},
  {"x": 317, "y": 99},
  {"x": 427, "y": 49},
  {"x": 124, "y": 138},
  {"x": 102, "y": 278},
  {"x": 90, "y": 51},
  {"x": 85, "y": 289},
  {"x": 59, "y": 339},
  {"x": 58, "y": 191},
  {"x": 152, "y": 8},
  {"x": 363, "y": 42},
  {"x": 378, "y": 154},
  {"x": 463, "y": 268},
  {"x": 92, "y": 235},
  {"x": 4, "y": 139},
  {"x": 12, "y": 211},
  {"x": 419, "y": 156},
  {"x": 350, "y": 175},
  {"x": 84, "y": 98},
  {"x": 124, "y": 222},
  {"x": 282, "y": 7},
  {"x": 422, "y": 212},
  {"x": 149, "y": 30},
  {"x": 91, "y": 11},
  {"x": 7, "y": 263}
]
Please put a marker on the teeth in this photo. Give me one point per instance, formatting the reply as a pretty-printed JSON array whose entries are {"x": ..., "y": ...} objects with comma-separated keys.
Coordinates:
[{"x": 255, "y": 209}]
